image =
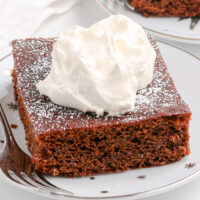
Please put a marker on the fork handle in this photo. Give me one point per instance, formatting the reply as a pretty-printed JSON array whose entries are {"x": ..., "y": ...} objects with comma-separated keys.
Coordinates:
[{"x": 7, "y": 130}]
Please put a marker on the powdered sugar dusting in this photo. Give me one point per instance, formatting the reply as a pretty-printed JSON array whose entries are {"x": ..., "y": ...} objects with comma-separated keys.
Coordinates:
[{"x": 33, "y": 62}]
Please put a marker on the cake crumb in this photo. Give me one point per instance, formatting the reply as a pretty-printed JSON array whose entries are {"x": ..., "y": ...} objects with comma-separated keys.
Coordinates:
[
  {"x": 141, "y": 177},
  {"x": 14, "y": 126},
  {"x": 104, "y": 191}
]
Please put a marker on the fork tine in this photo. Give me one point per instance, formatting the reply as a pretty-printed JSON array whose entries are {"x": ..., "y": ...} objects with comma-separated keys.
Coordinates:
[
  {"x": 33, "y": 180},
  {"x": 39, "y": 175},
  {"x": 7, "y": 175},
  {"x": 37, "y": 180},
  {"x": 53, "y": 190},
  {"x": 22, "y": 178},
  {"x": 6, "y": 127}
]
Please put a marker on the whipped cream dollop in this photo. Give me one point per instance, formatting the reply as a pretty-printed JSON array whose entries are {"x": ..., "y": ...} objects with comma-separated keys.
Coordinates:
[{"x": 100, "y": 68}]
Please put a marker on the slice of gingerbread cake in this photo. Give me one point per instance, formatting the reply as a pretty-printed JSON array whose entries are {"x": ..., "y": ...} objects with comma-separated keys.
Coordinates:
[
  {"x": 98, "y": 100},
  {"x": 65, "y": 141}
]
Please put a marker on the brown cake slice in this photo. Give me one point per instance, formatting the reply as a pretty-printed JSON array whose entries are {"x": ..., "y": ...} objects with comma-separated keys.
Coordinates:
[
  {"x": 172, "y": 8},
  {"x": 65, "y": 141}
]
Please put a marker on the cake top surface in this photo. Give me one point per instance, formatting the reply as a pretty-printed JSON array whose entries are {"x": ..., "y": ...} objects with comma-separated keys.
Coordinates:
[{"x": 32, "y": 59}]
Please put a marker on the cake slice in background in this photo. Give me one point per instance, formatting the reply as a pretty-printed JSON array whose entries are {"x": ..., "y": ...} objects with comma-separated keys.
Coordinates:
[{"x": 169, "y": 8}]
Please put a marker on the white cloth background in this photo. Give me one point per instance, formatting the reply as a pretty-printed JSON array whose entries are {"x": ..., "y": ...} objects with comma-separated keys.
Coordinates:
[{"x": 21, "y": 18}]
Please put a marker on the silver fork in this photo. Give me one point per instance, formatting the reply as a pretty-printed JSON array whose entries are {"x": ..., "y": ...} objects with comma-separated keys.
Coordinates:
[
  {"x": 17, "y": 166},
  {"x": 125, "y": 3}
]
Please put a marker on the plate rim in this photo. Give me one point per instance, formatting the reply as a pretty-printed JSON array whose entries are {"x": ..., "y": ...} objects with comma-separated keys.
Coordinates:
[
  {"x": 149, "y": 193},
  {"x": 148, "y": 29}
]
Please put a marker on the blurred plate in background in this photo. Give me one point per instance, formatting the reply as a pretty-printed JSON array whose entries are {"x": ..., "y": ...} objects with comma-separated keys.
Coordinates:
[{"x": 170, "y": 28}]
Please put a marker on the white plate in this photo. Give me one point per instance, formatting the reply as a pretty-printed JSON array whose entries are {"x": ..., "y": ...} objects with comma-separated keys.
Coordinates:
[
  {"x": 185, "y": 70},
  {"x": 171, "y": 28}
]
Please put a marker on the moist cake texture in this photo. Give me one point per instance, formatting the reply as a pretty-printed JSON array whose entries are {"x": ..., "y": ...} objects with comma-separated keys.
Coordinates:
[
  {"x": 65, "y": 141},
  {"x": 180, "y": 8}
]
